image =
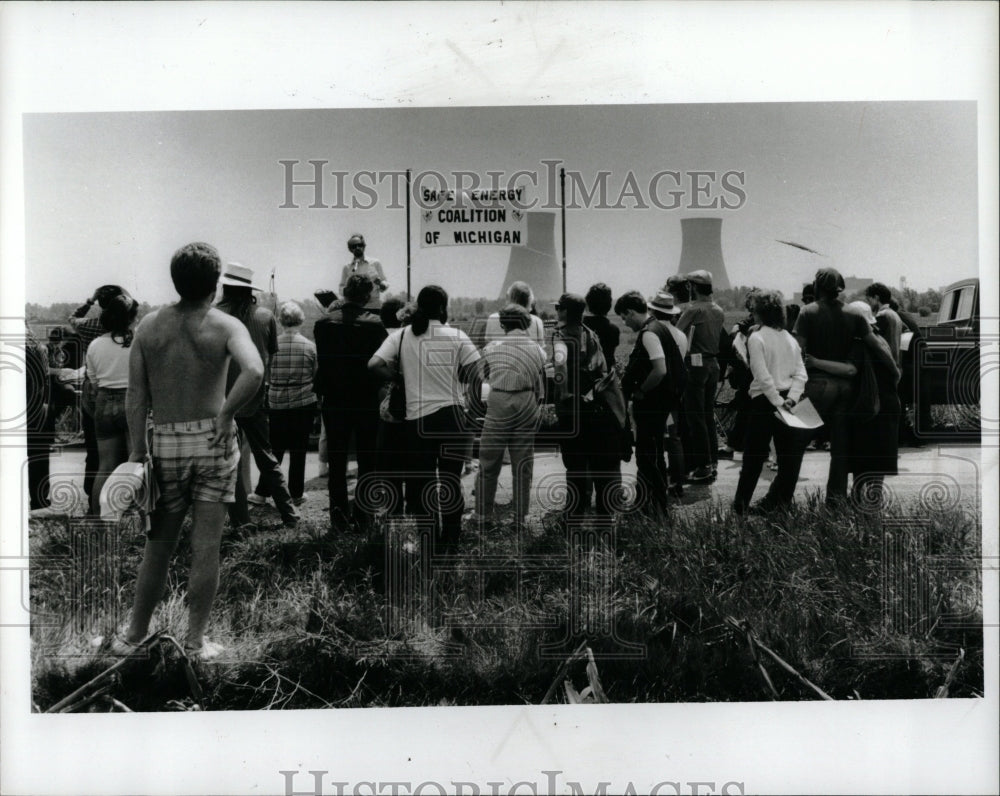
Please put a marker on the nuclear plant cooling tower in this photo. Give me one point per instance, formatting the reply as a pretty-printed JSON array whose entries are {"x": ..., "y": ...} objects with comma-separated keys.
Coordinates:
[
  {"x": 701, "y": 249},
  {"x": 536, "y": 262}
]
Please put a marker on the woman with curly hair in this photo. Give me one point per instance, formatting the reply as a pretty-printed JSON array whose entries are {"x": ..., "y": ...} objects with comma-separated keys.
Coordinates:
[
  {"x": 779, "y": 378},
  {"x": 107, "y": 370}
]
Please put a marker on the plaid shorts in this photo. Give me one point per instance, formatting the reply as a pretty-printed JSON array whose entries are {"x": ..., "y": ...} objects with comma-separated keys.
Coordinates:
[{"x": 187, "y": 469}]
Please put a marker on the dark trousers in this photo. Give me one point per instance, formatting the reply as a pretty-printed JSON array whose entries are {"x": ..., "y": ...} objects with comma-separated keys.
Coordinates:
[
  {"x": 591, "y": 456},
  {"x": 673, "y": 446},
  {"x": 256, "y": 430},
  {"x": 434, "y": 487},
  {"x": 651, "y": 467},
  {"x": 39, "y": 443},
  {"x": 92, "y": 462},
  {"x": 831, "y": 395},
  {"x": 344, "y": 424},
  {"x": 392, "y": 461},
  {"x": 789, "y": 444},
  {"x": 289, "y": 431},
  {"x": 699, "y": 408}
]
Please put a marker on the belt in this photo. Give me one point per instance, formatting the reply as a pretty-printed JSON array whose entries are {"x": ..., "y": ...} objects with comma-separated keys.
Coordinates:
[
  {"x": 205, "y": 424},
  {"x": 112, "y": 390},
  {"x": 524, "y": 389}
]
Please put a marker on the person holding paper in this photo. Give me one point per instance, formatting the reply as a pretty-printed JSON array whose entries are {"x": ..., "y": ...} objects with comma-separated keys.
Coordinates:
[{"x": 779, "y": 379}]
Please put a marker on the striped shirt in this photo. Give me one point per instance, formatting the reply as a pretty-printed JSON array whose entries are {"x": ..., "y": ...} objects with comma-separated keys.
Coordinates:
[
  {"x": 515, "y": 363},
  {"x": 292, "y": 370}
]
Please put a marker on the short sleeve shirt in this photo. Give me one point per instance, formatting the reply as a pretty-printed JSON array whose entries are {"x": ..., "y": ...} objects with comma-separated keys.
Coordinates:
[
  {"x": 515, "y": 363},
  {"x": 828, "y": 331},
  {"x": 431, "y": 364},
  {"x": 707, "y": 320}
]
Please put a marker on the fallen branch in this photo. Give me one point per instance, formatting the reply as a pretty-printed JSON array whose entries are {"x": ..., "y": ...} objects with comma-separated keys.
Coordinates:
[
  {"x": 942, "y": 692},
  {"x": 83, "y": 689},
  {"x": 756, "y": 659},
  {"x": 189, "y": 674},
  {"x": 87, "y": 700},
  {"x": 778, "y": 659}
]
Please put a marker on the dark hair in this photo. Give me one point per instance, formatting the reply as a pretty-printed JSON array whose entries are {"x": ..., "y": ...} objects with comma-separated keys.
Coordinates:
[
  {"x": 106, "y": 293},
  {"x": 769, "y": 307},
  {"x": 599, "y": 299},
  {"x": 358, "y": 289},
  {"x": 117, "y": 318},
  {"x": 514, "y": 316},
  {"x": 633, "y": 300},
  {"x": 879, "y": 291},
  {"x": 791, "y": 315},
  {"x": 194, "y": 270},
  {"x": 389, "y": 311},
  {"x": 748, "y": 299},
  {"x": 237, "y": 301},
  {"x": 432, "y": 305},
  {"x": 808, "y": 292},
  {"x": 678, "y": 286}
]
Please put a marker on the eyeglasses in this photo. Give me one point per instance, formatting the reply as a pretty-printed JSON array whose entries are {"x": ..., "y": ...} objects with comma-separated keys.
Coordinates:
[{"x": 356, "y": 245}]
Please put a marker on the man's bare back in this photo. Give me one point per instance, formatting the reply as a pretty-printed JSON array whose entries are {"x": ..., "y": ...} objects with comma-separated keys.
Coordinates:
[{"x": 186, "y": 354}]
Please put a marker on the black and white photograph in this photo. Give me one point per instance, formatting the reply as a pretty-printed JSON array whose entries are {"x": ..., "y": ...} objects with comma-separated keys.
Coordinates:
[{"x": 494, "y": 418}]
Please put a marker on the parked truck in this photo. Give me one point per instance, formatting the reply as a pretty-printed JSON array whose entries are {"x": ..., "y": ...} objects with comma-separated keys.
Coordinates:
[{"x": 941, "y": 365}]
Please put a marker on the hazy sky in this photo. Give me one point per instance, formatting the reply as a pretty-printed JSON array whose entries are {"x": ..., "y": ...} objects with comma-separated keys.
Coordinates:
[{"x": 882, "y": 189}]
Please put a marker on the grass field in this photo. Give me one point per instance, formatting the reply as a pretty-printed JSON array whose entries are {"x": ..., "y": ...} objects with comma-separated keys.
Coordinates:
[{"x": 855, "y": 606}]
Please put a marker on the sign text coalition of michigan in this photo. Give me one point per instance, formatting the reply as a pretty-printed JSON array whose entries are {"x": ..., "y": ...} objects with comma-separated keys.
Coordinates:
[{"x": 492, "y": 217}]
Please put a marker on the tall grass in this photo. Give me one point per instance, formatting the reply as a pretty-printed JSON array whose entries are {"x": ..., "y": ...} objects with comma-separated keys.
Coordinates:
[{"x": 860, "y": 605}]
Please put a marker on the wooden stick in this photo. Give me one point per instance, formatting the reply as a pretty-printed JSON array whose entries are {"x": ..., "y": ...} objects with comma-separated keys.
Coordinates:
[
  {"x": 56, "y": 708},
  {"x": 75, "y": 706},
  {"x": 780, "y": 661}
]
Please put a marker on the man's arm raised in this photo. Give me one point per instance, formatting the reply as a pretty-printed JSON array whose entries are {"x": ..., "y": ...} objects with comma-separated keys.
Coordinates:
[{"x": 244, "y": 352}]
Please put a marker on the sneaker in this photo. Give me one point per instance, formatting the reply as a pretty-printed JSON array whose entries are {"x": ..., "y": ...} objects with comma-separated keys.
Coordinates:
[
  {"x": 724, "y": 453},
  {"x": 257, "y": 500},
  {"x": 703, "y": 475}
]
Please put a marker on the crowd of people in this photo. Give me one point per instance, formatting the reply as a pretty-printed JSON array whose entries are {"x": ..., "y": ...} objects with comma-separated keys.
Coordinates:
[{"x": 206, "y": 383}]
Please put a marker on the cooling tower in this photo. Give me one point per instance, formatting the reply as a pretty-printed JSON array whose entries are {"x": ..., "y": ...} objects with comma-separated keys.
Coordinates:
[
  {"x": 701, "y": 249},
  {"x": 536, "y": 262}
]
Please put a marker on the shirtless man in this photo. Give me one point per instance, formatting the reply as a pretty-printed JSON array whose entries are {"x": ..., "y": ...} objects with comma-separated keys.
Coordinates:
[{"x": 178, "y": 365}]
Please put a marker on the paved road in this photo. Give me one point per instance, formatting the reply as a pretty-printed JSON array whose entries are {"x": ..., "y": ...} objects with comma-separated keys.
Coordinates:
[{"x": 942, "y": 475}]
